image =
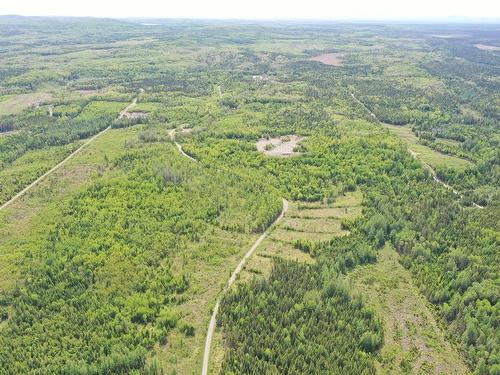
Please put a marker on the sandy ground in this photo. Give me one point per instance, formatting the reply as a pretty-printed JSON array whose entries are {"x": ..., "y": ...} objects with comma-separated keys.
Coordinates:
[
  {"x": 333, "y": 59},
  {"x": 486, "y": 47},
  {"x": 282, "y": 146},
  {"x": 136, "y": 115}
]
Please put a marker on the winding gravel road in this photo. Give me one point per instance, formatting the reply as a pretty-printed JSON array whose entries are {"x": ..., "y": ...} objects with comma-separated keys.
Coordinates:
[
  {"x": 171, "y": 134},
  {"x": 415, "y": 155},
  {"x": 239, "y": 267},
  {"x": 437, "y": 179}
]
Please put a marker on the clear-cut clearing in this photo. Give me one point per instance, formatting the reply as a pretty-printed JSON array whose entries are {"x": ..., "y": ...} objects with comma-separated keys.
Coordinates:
[
  {"x": 333, "y": 59},
  {"x": 284, "y": 146}
]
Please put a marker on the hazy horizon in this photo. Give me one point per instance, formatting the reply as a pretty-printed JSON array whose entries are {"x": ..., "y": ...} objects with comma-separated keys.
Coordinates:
[{"x": 313, "y": 10}]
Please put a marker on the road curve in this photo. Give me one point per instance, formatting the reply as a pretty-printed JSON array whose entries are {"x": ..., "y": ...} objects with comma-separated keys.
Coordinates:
[
  {"x": 230, "y": 282},
  {"x": 171, "y": 134},
  {"x": 437, "y": 179},
  {"x": 60, "y": 164},
  {"x": 415, "y": 155},
  {"x": 239, "y": 267}
]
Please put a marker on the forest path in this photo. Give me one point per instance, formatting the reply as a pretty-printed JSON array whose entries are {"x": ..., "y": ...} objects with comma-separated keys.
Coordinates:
[
  {"x": 69, "y": 157},
  {"x": 239, "y": 267},
  {"x": 365, "y": 107},
  {"x": 437, "y": 179},
  {"x": 230, "y": 282},
  {"x": 415, "y": 155},
  {"x": 171, "y": 134}
]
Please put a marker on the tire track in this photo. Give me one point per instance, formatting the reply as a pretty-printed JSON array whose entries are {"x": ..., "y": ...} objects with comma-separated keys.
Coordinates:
[
  {"x": 69, "y": 157},
  {"x": 415, "y": 155},
  {"x": 234, "y": 275},
  {"x": 230, "y": 282}
]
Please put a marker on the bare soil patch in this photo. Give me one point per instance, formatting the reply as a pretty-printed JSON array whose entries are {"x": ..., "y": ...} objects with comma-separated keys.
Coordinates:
[
  {"x": 333, "y": 59},
  {"x": 20, "y": 102},
  {"x": 87, "y": 91},
  {"x": 486, "y": 47},
  {"x": 136, "y": 115},
  {"x": 449, "y": 36},
  {"x": 282, "y": 146}
]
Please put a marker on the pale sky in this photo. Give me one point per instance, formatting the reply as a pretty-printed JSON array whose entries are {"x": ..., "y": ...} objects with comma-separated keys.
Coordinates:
[{"x": 257, "y": 9}]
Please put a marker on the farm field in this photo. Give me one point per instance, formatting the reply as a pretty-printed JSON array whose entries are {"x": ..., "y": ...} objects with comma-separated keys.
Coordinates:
[{"x": 270, "y": 183}]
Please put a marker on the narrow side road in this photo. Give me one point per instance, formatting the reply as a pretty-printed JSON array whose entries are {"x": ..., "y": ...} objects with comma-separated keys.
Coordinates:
[
  {"x": 437, "y": 179},
  {"x": 171, "y": 134},
  {"x": 230, "y": 282},
  {"x": 365, "y": 107},
  {"x": 415, "y": 155},
  {"x": 128, "y": 108},
  {"x": 232, "y": 279},
  {"x": 69, "y": 157}
]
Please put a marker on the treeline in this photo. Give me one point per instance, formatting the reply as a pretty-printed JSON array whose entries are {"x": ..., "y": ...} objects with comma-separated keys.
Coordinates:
[
  {"x": 451, "y": 252},
  {"x": 37, "y": 130}
]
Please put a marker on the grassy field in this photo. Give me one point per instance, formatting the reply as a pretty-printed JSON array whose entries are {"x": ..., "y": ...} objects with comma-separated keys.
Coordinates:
[
  {"x": 434, "y": 158},
  {"x": 24, "y": 226},
  {"x": 17, "y": 103},
  {"x": 414, "y": 343},
  {"x": 29, "y": 167},
  {"x": 118, "y": 257}
]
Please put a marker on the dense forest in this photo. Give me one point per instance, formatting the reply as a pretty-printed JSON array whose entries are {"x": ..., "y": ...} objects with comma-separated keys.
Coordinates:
[{"x": 115, "y": 261}]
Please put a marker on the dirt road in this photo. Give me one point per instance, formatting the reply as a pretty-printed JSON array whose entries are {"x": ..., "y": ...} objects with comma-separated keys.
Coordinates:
[
  {"x": 415, "y": 155},
  {"x": 230, "y": 282},
  {"x": 171, "y": 133},
  {"x": 128, "y": 108},
  {"x": 437, "y": 179},
  {"x": 69, "y": 157},
  {"x": 365, "y": 107},
  {"x": 239, "y": 267}
]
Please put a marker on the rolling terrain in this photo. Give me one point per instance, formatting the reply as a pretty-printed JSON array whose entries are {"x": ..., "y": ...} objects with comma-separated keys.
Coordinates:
[{"x": 239, "y": 198}]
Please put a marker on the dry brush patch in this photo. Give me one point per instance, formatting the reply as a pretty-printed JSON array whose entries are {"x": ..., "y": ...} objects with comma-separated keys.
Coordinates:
[
  {"x": 487, "y": 47},
  {"x": 20, "y": 102},
  {"x": 413, "y": 340},
  {"x": 332, "y": 59},
  {"x": 284, "y": 146}
]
